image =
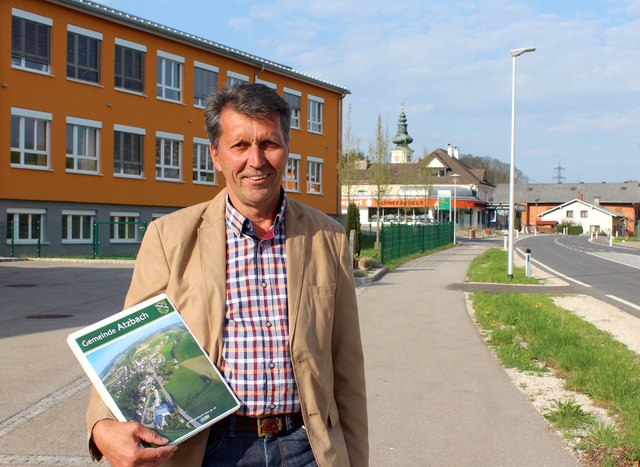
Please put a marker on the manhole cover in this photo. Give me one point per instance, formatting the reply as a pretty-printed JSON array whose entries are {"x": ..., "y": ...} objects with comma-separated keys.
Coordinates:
[
  {"x": 49, "y": 316},
  {"x": 21, "y": 285}
]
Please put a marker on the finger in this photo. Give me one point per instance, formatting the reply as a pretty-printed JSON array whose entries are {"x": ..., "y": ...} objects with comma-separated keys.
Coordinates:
[{"x": 155, "y": 456}]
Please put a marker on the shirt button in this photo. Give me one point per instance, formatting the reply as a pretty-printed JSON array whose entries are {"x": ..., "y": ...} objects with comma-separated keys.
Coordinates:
[
  {"x": 272, "y": 365},
  {"x": 268, "y": 324},
  {"x": 272, "y": 406},
  {"x": 264, "y": 285}
]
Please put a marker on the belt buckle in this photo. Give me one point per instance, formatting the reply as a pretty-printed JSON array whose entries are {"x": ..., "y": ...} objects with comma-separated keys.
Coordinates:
[{"x": 279, "y": 427}]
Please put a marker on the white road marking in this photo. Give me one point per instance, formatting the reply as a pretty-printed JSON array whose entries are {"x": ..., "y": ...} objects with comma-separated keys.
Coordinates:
[
  {"x": 554, "y": 271},
  {"x": 605, "y": 256},
  {"x": 617, "y": 299}
]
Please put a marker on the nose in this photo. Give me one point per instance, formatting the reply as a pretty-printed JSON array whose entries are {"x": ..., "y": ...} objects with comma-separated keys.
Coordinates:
[{"x": 255, "y": 156}]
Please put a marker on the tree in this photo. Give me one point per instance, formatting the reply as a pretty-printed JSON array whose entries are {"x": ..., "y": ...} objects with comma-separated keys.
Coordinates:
[
  {"x": 426, "y": 176},
  {"x": 353, "y": 223},
  {"x": 347, "y": 162},
  {"x": 497, "y": 171},
  {"x": 378, "y": 174}
]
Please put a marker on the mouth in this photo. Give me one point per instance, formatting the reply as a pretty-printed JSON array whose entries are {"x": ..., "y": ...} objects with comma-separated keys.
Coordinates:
[{"x": 257, "y": 178}]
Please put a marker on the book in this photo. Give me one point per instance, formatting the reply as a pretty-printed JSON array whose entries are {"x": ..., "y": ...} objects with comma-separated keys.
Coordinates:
[{"x": 148, "y": 367}]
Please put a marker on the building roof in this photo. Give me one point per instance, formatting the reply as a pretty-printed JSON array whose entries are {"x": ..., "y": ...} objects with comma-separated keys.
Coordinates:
[
  {"x": 584, "y": 203},
  {"x": 152, "y": 27},
  {"x": 557, "y": 193},
  {"x": 413, "y": 173}
]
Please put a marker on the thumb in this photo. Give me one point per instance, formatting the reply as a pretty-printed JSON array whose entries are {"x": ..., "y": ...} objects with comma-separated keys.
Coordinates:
[{"x": 147, "y": 435}]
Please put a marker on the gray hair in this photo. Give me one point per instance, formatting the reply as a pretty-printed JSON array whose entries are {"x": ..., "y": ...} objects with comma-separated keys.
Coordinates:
[{"x": 255, "y": 101}]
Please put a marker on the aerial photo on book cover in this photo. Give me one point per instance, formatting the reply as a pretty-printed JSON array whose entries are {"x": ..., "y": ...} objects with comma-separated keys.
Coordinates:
[{"x": 147, "y": 367}]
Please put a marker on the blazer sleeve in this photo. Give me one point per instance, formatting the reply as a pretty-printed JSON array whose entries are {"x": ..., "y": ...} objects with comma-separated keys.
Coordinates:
[{"x": 348, "y": 362}]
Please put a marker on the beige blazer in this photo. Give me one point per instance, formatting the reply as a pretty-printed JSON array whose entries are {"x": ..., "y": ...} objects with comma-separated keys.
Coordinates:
[{"x": 183, "y": 254}]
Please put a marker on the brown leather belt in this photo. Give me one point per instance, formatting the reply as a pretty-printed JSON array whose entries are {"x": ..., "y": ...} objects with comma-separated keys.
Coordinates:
[{"x": 268, "y": 425}]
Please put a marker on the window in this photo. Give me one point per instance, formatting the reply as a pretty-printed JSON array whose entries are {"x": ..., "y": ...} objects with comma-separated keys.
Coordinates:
[
  {"x": 83, "y": 54},
  {"x": 169, "y": 76},
  {"x": 168, "y": 156},
  {"x": 569, "y": 214},
  {"x": 268, "y": 84},
  {"x": 203, "y": 168},
  {"x": 28, "y": 225},
  {"x": 77, "y": 226},
  {"x": 30, "y": 138},
  {"x": 205, "y": 81},
  {"x": 124, "y": 227},
  {"x": 30, "y": 41},
  {"x": 314, "y": 119},
  {"x": 129, "y": 66},
  {"x": 128, "y": 145},
  {"x": 83, "y": 145},
  {"x": 236, "y": 78},
  {"x": 584, "y": 214},
  {"x": 314, "y": 175},
  {"x": 292, "y": 173},
  {"x": 293, "y": 99}
]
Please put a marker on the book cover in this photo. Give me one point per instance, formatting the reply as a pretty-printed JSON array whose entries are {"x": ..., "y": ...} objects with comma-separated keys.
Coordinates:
[{"x": 147, "y": 366}]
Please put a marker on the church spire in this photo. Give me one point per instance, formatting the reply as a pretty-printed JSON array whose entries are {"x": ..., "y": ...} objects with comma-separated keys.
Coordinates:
[{"x": 402, "y": 138}]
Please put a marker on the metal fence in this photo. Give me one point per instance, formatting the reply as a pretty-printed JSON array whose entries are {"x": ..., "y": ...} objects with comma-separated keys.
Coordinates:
[{"x": 399, "y": 240}]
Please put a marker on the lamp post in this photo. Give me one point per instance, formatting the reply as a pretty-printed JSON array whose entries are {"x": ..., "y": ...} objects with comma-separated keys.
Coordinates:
[
  {"x": 514, "y": 53},
  {"x": 455, "y": 200}
]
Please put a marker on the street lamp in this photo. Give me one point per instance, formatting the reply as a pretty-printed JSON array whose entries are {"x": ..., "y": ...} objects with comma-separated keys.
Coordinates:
[
  {"x": 514, "y": 53},
  {"x": 455, "y": 196}
]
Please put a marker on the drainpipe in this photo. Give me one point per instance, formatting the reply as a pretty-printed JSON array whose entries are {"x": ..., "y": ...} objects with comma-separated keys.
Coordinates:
[{"x": 255, "y": 77}]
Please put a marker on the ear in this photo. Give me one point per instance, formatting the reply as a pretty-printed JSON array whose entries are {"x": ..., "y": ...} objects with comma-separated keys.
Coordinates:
[{"x": 214, "y": 158}]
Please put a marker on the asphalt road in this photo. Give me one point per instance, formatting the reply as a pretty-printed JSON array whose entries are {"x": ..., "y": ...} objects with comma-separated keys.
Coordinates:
[{"x": 611, "y": 274}]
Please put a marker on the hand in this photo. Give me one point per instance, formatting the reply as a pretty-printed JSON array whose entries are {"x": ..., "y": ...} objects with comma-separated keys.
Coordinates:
[{"x": 121, "y": 444}]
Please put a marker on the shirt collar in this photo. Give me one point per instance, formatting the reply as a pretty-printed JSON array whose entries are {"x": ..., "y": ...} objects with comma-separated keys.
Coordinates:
[{"x": 240, "y": 225}]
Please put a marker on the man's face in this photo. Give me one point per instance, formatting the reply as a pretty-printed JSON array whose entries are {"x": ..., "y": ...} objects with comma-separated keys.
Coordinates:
[{"x": 252, "y": 156}]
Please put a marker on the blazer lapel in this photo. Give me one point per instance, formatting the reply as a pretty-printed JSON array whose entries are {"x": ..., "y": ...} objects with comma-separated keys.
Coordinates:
[
  {"x": 212, "y": 242},
  {"x": 295, "y": 243}
]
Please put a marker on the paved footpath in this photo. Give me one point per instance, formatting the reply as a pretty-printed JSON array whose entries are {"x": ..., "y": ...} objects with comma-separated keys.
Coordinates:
[{"x": 436, "y": 394}]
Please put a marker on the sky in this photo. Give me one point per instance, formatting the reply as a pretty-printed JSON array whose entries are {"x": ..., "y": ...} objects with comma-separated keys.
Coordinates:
[{"x": 577, "y": 95}]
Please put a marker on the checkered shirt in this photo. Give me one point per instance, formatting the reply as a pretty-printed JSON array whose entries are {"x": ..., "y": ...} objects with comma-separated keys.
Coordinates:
[{"x": 255, "y": 355}]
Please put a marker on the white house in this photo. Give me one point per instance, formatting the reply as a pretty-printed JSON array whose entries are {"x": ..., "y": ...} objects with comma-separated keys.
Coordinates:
[{"x": 592, "y": 218}]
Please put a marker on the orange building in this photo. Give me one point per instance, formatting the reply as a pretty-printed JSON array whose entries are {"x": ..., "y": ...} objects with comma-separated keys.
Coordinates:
[{"x": 104, "y": 123}]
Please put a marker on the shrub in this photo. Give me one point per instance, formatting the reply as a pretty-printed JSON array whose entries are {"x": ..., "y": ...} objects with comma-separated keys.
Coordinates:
[
  {"x": 353, "y": 223},
  {"x": 369, "y": 263}
]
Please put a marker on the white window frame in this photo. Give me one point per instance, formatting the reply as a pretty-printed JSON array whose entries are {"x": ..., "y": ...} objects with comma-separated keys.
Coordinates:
[
  {"x": 125, "y": 44},
  {"x": 199, "y": 102},
  {"x": 33, "y": 214},
  {"x": 78, "y": 31},
  {"x": 234, "y": 78},
  {"x": 133, "y": 130},
  {"x": 269, "y": 84},
  {"x": 318, "y": 163},
  {"x": 315, "y": 110},
  {"x": 200, "y": 154},
  {"x": 22, "y": 65},
  {"x": 69, "y": 220},
  {"x": 295, "y": 113},
  {"x": 176, "y": 62},
  {"x": 292, "y": 162},
  {"x": 162, "y": 165},
  {"x": 82, "y": 124},
  {"x": 114, "y": 233},
  {"x": 46, "y": 117}
]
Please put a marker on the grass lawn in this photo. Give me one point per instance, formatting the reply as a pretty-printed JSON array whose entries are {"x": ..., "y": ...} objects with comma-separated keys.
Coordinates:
[
  {"x": 529, "y": 332},
  {"x": 491, "y": 266}
]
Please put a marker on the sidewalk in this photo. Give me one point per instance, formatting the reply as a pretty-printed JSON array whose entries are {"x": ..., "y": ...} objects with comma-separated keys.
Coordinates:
[{"x": 437, "y": 396}]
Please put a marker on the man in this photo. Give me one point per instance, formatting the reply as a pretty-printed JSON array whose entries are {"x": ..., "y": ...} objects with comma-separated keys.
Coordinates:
[{"x": 266, "y": 285}]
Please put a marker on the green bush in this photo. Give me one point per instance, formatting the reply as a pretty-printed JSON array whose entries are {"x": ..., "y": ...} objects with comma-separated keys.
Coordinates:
[
  {"x": 572, "y": 229},
  {"x": 353, "y": 223}
]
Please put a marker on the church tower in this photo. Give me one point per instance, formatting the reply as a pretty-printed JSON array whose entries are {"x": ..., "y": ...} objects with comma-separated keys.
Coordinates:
[{"x": 402, "y": 152}]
